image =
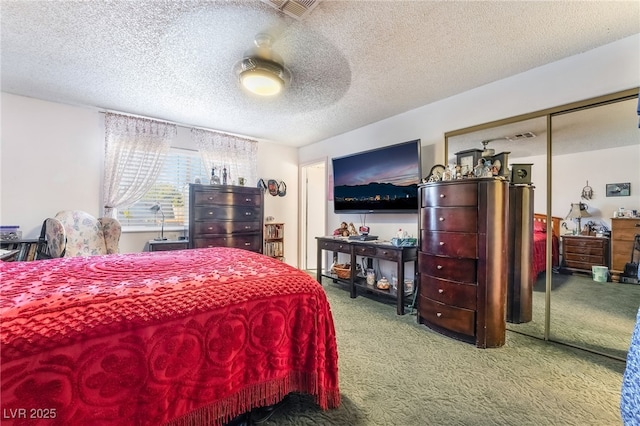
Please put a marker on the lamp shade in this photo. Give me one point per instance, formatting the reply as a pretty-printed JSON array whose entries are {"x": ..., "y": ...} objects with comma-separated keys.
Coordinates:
[{"x": 578, "y": 211}]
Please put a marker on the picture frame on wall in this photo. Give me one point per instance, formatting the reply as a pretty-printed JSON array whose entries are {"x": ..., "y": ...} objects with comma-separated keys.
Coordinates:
[{"x": 618, "y": 189}]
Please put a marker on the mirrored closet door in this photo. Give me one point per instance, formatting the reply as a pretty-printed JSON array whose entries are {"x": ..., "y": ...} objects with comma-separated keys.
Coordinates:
[
  {"x": 569, "y": 151},
  {"x": 591, "y": 148}
]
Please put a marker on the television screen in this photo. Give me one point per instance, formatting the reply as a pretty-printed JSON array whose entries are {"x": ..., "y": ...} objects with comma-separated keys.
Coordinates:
[{"x": 383, "y": 180}]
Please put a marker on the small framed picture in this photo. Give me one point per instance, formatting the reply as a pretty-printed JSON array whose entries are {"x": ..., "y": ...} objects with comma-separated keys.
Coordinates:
[
  {"x": 618, "y": 189},
  {"x": 499, "y": 162}
]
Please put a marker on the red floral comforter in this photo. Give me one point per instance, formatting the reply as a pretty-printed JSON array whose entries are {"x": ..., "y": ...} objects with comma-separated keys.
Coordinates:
[{"x": 178, "y": 337}]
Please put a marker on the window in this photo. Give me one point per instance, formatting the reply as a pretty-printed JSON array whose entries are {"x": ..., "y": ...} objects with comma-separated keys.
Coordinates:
[{"x": 170, "y": 191}]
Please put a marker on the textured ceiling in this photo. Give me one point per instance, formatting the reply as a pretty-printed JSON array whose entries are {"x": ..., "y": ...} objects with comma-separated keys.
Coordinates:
[{"x": 353, "y": 62}]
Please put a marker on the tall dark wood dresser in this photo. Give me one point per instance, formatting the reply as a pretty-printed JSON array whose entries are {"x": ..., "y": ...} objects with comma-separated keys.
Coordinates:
[
  {"x": 225, "y": 216},
  {"x": 462, "y": 261}
]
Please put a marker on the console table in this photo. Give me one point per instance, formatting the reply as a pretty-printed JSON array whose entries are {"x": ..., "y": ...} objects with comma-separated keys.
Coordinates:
[{"x": 372, "y": 250}]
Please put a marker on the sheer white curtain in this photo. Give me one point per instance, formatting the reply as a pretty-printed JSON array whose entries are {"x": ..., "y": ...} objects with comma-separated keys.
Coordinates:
[
  {"x": 237, "y": 155},
  {"x": 135, "y": 151}
]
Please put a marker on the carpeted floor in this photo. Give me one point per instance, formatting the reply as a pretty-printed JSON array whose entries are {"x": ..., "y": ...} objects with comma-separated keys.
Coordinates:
[
  {"x": 394, "y": 371},
  {"x": 594, "y": 315}
]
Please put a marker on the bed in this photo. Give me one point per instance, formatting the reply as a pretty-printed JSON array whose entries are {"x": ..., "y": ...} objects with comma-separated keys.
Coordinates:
[
  {"x": 539, "y": 263},
  {"x": 188, "y": 337}
]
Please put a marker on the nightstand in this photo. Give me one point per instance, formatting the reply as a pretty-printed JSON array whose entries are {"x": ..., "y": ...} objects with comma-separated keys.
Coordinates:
[
  {"x": 166, "y": 245},
  {"x": 581, "y": 252}
]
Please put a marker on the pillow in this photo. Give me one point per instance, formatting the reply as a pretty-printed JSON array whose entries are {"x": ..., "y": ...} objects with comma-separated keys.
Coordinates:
[{"x": 539, "y": 226}]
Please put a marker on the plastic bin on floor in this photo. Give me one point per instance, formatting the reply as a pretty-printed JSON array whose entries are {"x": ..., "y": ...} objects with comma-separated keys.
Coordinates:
[{"x": 600, "y": 273}]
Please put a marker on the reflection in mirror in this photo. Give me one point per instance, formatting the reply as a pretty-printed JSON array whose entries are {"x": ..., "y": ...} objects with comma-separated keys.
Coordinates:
[
  {"x": 593, "y": 147},
  {"x": 523, "y": 142},
  {"x": 590, "y": 149}
]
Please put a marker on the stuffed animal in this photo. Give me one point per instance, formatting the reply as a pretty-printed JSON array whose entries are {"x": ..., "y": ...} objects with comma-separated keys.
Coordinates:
[{"x": 343, "y": 231}]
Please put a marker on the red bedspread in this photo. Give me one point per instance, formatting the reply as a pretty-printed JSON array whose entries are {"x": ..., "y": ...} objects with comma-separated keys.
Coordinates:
[
  {"x": 180, "y": 337},
  {"x": 539, "y": 263}
]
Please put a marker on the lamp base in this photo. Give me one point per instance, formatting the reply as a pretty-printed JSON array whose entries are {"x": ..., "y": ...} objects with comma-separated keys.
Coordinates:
[{"x": 159, "y": 239}]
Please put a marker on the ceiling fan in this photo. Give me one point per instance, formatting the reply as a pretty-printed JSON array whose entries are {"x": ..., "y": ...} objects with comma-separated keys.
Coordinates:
[
  {"x": 262, "y": 71},
  {"x": 490, "y": 152}
]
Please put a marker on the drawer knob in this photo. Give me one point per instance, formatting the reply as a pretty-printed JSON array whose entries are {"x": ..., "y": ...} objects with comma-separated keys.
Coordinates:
[
  {"x": 440, "y": 291},
  {"x": 247, "y": 213},
  {"x": 442, "y": 195},
  {"x": 441, "y": 219},
  {"x": 438, "y": 314},
  {"x": 247, "y": 199},
  {"x": 439, "y": 267},
  {"x": 210, "y": 228},
  {"x": 247, "y": 244},
  {"x": 210, "y": 213},
  {"x": 210, "y": 198},
  {"x": 247, "y": 227},
  {"x": 441, "y": 243},
  {"x": 385, "y": 252}
]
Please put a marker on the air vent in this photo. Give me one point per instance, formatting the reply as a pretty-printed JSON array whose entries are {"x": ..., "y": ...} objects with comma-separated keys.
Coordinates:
[
  {"x": 297, "y": 9},
  {"x": 520, "y": 136}
]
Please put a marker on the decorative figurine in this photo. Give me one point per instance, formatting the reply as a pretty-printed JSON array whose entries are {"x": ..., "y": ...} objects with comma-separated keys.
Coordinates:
[
  {"x": 343, "y": 231},
  {"x": 215, "y": 180}
]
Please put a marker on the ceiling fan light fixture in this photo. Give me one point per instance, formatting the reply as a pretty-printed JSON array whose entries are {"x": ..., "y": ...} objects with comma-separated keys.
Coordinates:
[
  {"x": 261, "y": 71},
  {"x": 262, "y": 77}
]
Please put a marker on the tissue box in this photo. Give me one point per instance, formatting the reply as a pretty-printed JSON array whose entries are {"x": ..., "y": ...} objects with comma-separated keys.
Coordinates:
[{"x": 404, "y": 242}]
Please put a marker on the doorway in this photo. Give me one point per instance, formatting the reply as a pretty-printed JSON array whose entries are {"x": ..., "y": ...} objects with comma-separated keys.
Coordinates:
[{"x": 313, "y": 211}]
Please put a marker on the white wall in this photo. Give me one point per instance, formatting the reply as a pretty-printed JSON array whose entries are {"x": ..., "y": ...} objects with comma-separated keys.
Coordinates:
[
  {"x": 601, "y": 71},
  {"x": 51, "y": 158},
  {"x": 52, "y": 155}
]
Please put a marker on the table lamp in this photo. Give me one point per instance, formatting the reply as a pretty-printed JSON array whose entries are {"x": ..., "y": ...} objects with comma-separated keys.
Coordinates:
[
  {"x": 578, "y": 211},
  {"x": 158, "y": 208}
]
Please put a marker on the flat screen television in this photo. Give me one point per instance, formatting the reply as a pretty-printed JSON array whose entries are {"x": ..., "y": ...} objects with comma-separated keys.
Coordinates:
[{"x": 383, "y": 180}]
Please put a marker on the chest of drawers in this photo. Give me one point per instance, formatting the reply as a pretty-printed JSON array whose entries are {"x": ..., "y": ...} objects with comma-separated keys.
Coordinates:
[
  {"x": 225, "y": 216},
  {"x": 623, "y": 231},
  {"x": 581, "y": 252},
  {"x": 462, "y": 259}
]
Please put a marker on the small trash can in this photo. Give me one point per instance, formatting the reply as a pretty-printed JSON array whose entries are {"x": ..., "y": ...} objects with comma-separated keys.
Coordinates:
[{"x": 600, "y": 273}]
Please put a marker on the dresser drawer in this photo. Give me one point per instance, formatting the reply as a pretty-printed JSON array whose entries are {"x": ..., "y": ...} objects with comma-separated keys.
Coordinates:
[
  {"x": 577, "y": 243},
  {"x": 453, "y": 244},
  {"x": 362, "y": 250},
  {"x": 581, "y": 265},
  {"x": 388, "y": 254},
  {"x": 453, "y": 219},
  {"x": 212, "y": 227},
  {"x": 579, "y": 257},
  {"x": 448, "y": 292},
  {"x": 339, "y": 246},
  {"x": 625, "y": 229},
  {"x": 247, "y": 242},
  {"x": 593, "y": 251},
  {"x": 460, "y": 270},
  {"x": 227, "y": 213},
  {"x": 208, "y": 197},
  {"x": 452, "y": 318},
  {"x": 450, "y": 195}
]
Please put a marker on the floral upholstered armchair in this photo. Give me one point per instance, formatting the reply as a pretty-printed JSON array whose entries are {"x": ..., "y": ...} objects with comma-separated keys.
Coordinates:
[{"x": 76, "y": 233}]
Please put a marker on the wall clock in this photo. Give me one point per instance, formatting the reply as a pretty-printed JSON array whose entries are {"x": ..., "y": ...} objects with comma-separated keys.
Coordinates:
[{"x": 468, "y": 159}]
